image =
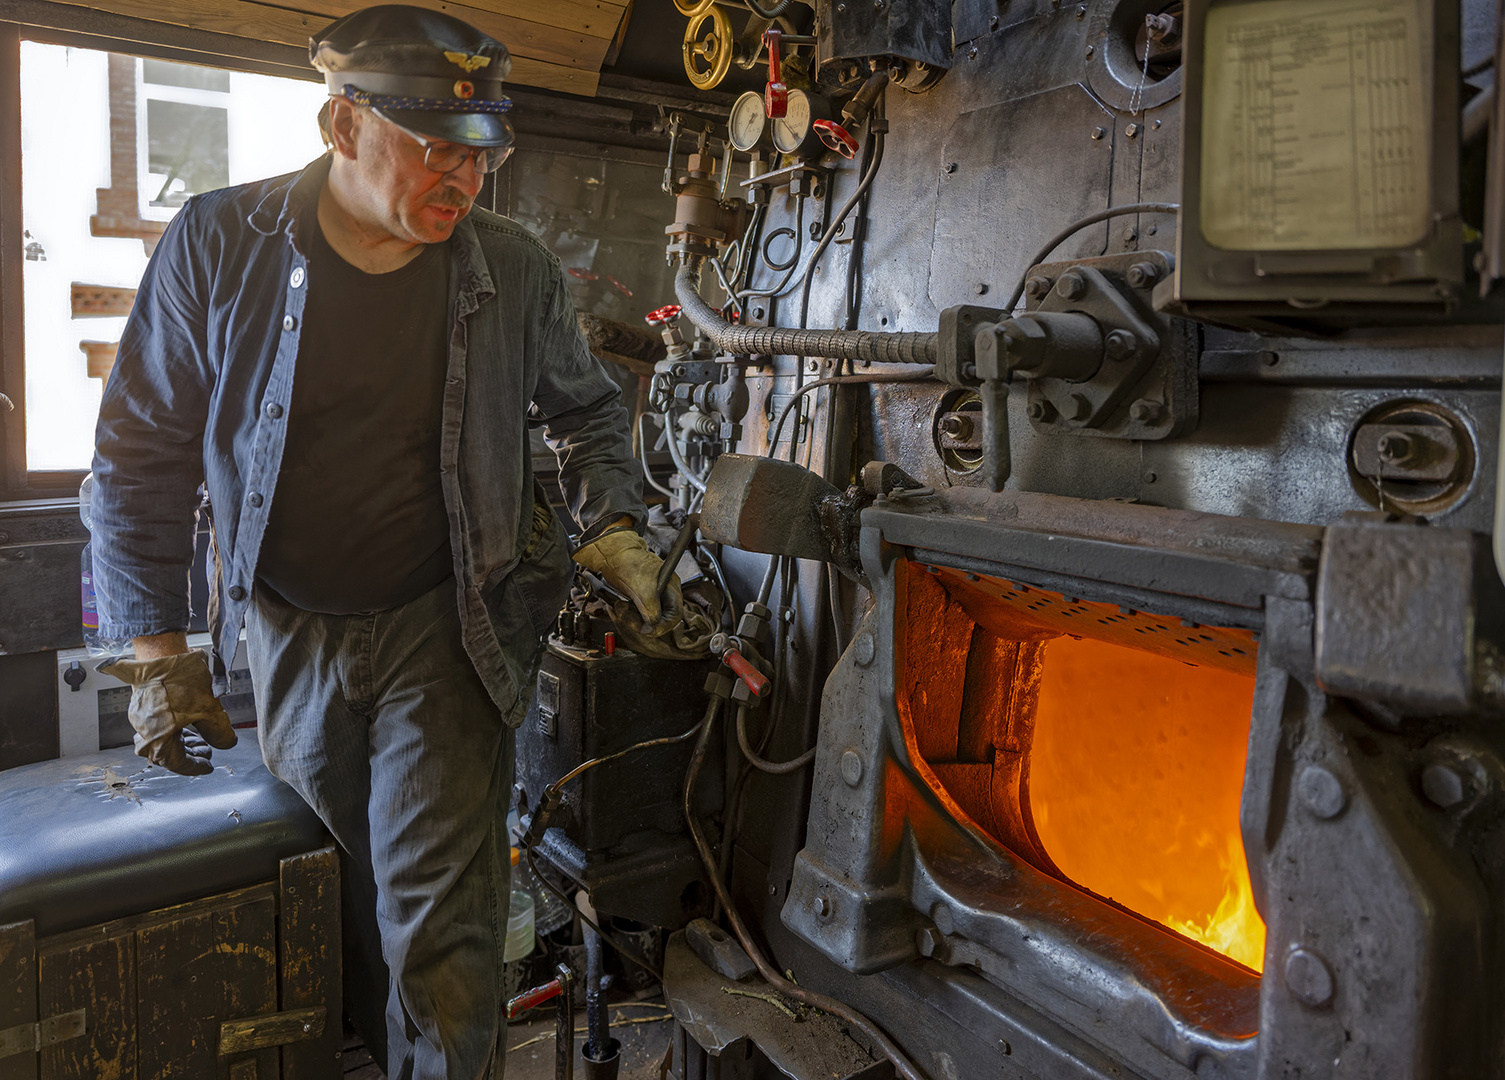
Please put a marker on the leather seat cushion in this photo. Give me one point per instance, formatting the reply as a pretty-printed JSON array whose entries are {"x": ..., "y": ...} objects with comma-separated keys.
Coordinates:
[{"x": 87, "y": 839}]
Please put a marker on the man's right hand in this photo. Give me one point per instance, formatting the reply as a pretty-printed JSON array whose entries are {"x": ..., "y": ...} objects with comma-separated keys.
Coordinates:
[{"x": 168, "y": 695}]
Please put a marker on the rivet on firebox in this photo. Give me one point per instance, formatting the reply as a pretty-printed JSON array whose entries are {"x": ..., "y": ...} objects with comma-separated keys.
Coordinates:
[
  {"x": 863, "y": 650},
  {"x": 823, "y": 907},
  {"x": 1309, "y": 978},
  {"x": 851, "y": 768},
  {"x": 1321, "y": 791}
]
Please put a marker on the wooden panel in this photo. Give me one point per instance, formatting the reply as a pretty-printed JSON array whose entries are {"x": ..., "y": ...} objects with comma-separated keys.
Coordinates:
[
  {"x": 18, "y": 993},
  {"x": 545, "y": 55},
  {"x": 195, "y": 971},
  {"x": 310, "y": 954},
  {"x": 100, "y": 300},
  {"x": 598, "y": 18},
  {"x": 96, "y": 973},
  {"x": 538, "y": 38}
]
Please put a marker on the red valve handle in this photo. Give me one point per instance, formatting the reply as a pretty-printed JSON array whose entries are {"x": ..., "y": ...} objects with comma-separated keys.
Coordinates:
[
  {"x": 775, "y": 94},
  {"x": 751, "y": 677},
  {"x": 529, "y": 998},
  {"x": 584, "y": 274},
  {"x": 836, "y": 138},
  {"x": 659, "y": 316}
]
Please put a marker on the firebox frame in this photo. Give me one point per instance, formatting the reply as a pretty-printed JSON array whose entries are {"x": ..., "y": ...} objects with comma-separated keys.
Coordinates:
[{"x": 895, "y": 891}]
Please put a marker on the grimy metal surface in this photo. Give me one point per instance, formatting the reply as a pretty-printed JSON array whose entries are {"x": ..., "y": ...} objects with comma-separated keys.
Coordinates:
[{"x": 1374, "y": 782}]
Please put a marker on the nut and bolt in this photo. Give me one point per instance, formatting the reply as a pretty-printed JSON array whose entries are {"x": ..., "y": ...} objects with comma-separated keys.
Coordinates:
[
  {"x": 1090, "y": 51},
  {"x": 1131, "y": 234},
  {"x": 1120, "y": 345},
  {"x": 1077, "y": 408},
  {"x": 1142, "y": 275},
  {"x": 1036, "y": 287},
  {"x": 1145, "y": 411},
  {"x": 1035, "y": 410},
  {"x": 1132, "y": 130},
  {"x": 1098, "y": 133},
  {"x": 981, "y": 288},
  {"x": 950, "y": 166},
  {"x": 1395, "y": 447},
  {"x": 1072, "y": 286},
  {"x": 956, "y": 427},
  {"x": 823, "y": 907}
]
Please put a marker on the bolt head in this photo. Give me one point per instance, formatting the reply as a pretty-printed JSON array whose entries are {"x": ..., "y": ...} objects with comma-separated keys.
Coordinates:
[
  {"x": 950, "y": 166},
  {"x": 1142, "y": 275},
  {"x": 1309, "y": 978},
  {"x": 1098, "y": 133},
  {"x": 1120, "y": 344},
  {"x": 823, "y": 906},
  {"x": 1132, "y": 130},
  {"x": 981, "y": 288},
  {"x": 1395, "y": 447},
  {"x": 1078, "y": 408},
  {"x": 1144, "y": 411},
  {"x": 1321, "y": 792},
  {"x": 1443, "y": 785},
  {"x": 1036, "y": 287},
  {"x": 851, "y": 768},
  {"x": 1036, "y": 410},
  {"x": 1072, "y": 286}
]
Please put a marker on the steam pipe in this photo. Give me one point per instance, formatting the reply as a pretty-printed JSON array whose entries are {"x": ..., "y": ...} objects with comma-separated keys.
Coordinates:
[{"x": 862, "y": 345}]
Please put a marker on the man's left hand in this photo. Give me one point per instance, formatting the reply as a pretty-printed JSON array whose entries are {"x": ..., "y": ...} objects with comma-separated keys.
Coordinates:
[{"x": 623, "y": 559}]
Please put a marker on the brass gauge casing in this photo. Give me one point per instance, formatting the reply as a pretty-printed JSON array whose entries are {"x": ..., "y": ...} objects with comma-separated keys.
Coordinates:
[
  {"x": 794, "y": 133},
  {"x": 747, "y": 125}
]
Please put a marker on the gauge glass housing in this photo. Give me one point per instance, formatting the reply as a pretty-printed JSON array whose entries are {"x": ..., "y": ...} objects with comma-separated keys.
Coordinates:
[{"x": 747, "y": 122}]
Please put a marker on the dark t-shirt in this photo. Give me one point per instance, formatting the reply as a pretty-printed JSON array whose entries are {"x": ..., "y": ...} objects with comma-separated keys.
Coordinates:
[{"x": 358, "y": 522}]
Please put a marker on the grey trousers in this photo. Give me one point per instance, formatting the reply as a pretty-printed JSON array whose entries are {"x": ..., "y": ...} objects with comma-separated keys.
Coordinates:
[{"x": 380, "y": 722}]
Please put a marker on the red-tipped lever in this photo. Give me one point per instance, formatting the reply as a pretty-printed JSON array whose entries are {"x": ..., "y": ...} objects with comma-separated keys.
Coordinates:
[
  {"x": 529, "y": 998},
  {"x": 751, "y": 677}
]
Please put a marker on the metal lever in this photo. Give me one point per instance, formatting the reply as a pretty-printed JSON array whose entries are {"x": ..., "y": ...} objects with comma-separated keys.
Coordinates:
[
  {"x": 751, "y": 677},
  {"x": 563, "y": 988},
  {"x": 681, "y": 545}
]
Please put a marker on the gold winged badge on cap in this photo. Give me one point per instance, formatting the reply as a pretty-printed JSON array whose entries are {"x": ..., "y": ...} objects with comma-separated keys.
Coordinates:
[{"x": 467, "y": 63}]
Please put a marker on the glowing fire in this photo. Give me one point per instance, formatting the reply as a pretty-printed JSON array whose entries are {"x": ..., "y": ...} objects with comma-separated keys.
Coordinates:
[{"x": 1135, "y": 775}]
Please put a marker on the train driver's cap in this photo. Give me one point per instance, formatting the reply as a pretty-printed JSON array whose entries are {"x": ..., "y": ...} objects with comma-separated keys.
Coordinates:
[{"x": 423, "y": 70}]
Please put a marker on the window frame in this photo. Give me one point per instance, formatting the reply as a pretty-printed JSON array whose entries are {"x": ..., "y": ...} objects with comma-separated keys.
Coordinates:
[{"x": 37, "y": 20}]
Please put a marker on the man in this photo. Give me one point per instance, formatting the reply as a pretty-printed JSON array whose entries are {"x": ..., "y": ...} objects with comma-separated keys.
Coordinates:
[{"x": 348, "y": 359}]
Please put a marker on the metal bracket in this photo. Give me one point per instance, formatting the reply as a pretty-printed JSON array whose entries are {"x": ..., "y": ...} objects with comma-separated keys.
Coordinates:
[
  {"x": 1147, "y": 386},
  {"x": 31, "y": 1037},
  {"x": 273, "y": 1029}
]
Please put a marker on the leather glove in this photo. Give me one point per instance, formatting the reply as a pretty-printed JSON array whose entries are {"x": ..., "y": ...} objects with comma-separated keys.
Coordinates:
[
  {"x": 167, "y": 695},
  {"x": 623, "y": 559}
]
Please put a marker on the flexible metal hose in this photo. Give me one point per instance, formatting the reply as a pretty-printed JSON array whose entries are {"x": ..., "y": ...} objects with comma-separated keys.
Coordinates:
[{"x": 775, "y": 341}]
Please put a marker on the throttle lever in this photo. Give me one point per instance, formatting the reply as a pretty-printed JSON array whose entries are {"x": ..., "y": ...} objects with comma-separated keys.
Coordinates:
[{"x": 775, "y": 94}]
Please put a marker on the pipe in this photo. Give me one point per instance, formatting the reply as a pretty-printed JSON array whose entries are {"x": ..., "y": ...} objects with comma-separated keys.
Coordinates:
[
  {"x": 598, "y": 1034},
  {"x": 863, "y": 345}
]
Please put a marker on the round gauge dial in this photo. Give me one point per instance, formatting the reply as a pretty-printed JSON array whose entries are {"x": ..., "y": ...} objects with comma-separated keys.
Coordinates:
[
  {"x": 747, "y": 123},
  {"x": 792, "y": 130}
]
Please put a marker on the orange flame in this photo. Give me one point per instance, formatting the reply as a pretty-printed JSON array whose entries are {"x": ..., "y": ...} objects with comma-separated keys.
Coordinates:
[{"x": 1135, "y": 776}]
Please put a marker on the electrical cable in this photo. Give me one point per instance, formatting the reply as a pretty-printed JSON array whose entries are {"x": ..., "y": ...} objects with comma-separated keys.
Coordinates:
[
  {"x": 774, "y": 768},
  {"x": 1090, "y": 219},
  {"x": 877, "y": 1035},
  {"x": 679, "y": 462},
  {"x": 729, "y": 607},
  {"x": 586, "y": 766},
  {"x": 643, "y": 459}
]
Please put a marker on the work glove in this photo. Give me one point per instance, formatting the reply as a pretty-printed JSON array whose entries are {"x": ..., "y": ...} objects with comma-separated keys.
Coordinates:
[
  {"x": 623, "y": 559},
  {"x": 168, "y": 695}
]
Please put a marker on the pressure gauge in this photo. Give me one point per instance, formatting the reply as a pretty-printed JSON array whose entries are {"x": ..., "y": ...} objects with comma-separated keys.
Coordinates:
[
  {"x": 794, "y": 133},
  {"x": 747, "y": 123}
]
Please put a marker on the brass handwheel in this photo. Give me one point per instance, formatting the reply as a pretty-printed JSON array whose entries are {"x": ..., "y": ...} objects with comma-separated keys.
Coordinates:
[
  {"x": 708, "y": 59},
  {"x": 692, "y": 7}
]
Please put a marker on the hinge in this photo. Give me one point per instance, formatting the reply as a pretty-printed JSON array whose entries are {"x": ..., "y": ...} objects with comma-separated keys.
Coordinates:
[
  {"x": 273, "y": 1029},
  {"x": 29, "y": 1038}
]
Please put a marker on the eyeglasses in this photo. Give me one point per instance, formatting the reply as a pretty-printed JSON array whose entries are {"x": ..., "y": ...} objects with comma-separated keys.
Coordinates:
[{"x": 445, "y": 157}]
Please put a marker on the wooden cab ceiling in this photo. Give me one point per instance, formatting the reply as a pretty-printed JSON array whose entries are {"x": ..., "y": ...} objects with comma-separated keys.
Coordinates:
[{"x": 555, "y": 44}]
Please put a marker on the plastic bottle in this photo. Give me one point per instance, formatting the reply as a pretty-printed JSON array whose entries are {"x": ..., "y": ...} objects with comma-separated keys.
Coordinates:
[{"x": 88, "y": 602}]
